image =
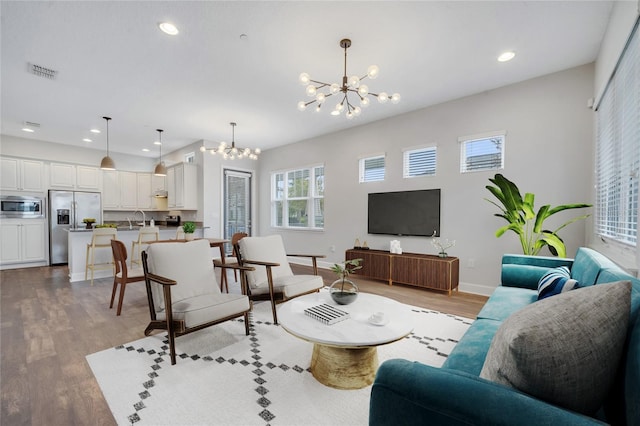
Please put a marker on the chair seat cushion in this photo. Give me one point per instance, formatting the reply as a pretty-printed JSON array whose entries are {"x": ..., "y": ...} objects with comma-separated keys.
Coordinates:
[
  {"x": 206, "y": 308},
  {"x": 132, "y": 273},
  {"x": 291, "y": 286}
]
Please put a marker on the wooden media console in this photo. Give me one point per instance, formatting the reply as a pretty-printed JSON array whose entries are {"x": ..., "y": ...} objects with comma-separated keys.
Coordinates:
[{"x": 420, "y": 270}]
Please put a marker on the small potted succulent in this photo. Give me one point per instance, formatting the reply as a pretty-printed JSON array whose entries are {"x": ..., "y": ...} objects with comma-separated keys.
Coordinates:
[
  {"x": 344, "y": 291},
  {"x": 89, "y": 221},
  {"x": 189, "y": 228}
]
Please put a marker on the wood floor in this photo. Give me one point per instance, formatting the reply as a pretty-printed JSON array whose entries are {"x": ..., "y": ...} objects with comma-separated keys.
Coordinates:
[{"x": 49, "y": 325}]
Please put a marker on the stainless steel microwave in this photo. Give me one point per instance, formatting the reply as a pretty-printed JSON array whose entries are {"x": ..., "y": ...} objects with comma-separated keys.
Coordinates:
[{"x": 18, "y": 206}]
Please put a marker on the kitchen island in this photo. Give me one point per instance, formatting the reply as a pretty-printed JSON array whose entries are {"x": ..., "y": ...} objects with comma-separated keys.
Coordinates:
[{"x": 79, "y": 238}]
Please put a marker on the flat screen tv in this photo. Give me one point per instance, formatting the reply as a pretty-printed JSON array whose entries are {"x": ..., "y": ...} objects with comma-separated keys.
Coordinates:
[{"x": 415, "y": 213}]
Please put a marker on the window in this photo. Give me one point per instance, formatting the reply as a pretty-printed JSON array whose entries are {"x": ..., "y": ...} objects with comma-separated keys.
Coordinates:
[
  {"x": 482, "y": 152},
  {"x": 190, "y": 157},
  {"x": 419, "y": 162},
  {"x": 618, "y": 150},
  {"x": 298, "y": 198},
  {"x": 371, "y": 169}
]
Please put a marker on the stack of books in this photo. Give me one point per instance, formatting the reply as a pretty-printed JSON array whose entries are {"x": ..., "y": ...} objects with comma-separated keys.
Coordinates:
[{"x": 326, "y": 314}]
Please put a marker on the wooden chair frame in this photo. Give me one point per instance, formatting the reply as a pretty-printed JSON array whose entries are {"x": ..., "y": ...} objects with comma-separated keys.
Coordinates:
[
  {"x": 120, "y": 259},
  {"x": 274, "y": 296},
  {"x": 177, "y": 328}
]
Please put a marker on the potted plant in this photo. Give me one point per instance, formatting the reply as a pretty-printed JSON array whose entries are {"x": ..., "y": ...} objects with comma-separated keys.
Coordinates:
[
  {"x": 89, "y": 221},
  {"x": 189, "y": 228},
  {"x": 523, "y": 220},
  {"x": 344, "y": 291}
]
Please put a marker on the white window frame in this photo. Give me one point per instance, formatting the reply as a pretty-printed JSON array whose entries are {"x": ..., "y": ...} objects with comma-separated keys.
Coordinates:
[
  {"x": 618, "y": 152},
  {"x": 280, "y": 199},
  {"x": 363, "y": 176},
  {"x": 411, "y": 166},
  {"x": 466, "y": 143}
]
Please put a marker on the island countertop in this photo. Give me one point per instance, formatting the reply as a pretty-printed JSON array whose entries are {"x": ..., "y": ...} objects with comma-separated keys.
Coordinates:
[{"x": 79, "y": 238}]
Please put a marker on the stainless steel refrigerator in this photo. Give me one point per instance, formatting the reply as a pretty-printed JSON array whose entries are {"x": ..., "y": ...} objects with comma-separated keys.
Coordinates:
[{"x": 66, "y": 211}]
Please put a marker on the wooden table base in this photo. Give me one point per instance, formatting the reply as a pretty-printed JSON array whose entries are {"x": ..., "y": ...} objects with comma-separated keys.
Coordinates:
[{"x": 344, "y": 368}]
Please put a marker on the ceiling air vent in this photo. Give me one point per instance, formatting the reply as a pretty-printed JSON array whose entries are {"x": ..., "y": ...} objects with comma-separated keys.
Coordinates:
[
  {"x": 31, "y": 124},
  {"x": 41, "y": 71}
]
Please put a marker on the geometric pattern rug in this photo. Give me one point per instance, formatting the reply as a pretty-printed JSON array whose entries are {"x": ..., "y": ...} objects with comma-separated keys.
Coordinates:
[{"x": 223, "y": 377}]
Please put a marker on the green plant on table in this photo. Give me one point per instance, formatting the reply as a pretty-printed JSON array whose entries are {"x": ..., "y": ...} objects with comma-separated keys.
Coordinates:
[
  {"x": 189, "y": 227},
  {"x": 342, "y": 270},
  {"x": 522, "y": 219}
]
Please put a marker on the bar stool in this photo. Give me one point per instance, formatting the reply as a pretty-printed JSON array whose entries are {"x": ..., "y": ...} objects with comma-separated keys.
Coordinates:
[
  {"x": 101, "y": 239},
  {"x": 146, "y": 234}
]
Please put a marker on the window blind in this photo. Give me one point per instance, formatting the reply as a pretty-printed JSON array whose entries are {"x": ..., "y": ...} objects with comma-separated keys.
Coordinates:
[
  {"x": 419, "y": 162},
  {"x": 482, "y": 154},
  {"x": 618, "y": 149},
  {"x": 372, "y": 169}
]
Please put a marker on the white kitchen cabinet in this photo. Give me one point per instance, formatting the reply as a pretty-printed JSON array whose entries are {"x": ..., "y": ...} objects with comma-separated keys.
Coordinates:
[
  {"x": 110, "y": 189},
  {"x": 21, "y": 175},
  {"x": 88, "y": 178},
  {"x": 144, "y": 196},
  {"x": 128, "y": 190},
  {"x": 62, "y": 176},
  {"x": 74, "y": 177},
  {"x": 182, "y": 186},
  {"x": 158, "y": 184},
  {"x": 22, "y": 241}
]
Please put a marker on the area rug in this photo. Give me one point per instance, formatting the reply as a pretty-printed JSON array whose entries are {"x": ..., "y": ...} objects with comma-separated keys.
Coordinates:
[{"x": 223, "y": 377}]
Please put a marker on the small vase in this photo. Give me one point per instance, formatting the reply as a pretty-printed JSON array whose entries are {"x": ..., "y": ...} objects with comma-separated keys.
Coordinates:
[
  {"x": 443, "y": 254},
  {"x": 343, "y": 291},
  {"x": 189, "y": 236}
]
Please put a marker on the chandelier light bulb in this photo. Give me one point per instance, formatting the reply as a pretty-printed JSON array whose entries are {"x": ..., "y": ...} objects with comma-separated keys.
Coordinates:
[
  {"x": 319, "y": 108},
  {"x": 246, "y": 152},
  {"x": 234, "y": 150},
  {"x": 357, "y": 111},
  {"x": 304, "y": 79},
  {"x": 364, "y": 102},
  {"x": 320, "y": 97},
  {"x": 354, "y": 81},
  {"x": 212, "y": 151},
  {"x": 257, "y": 151},
  {"x": 363, "y": 90},
  {"x": 383, "y": 97},
  {"x": 202, "y": 148},
  {"x": 335, "y": 88},
  {"x": 311, "y": 90},
  {"x": 340, "y": 107},
  {"x": 302, "y": 105},
  {"x": 395, "y": 98},
  {"x": 373, "y": 71},
  {"x": 349, "y": 115}
]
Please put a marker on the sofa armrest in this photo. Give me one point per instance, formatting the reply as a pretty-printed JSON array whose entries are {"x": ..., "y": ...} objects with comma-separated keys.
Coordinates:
[
  {"x": 411, "y": 393},
  {"x": 519, "y": 270}
]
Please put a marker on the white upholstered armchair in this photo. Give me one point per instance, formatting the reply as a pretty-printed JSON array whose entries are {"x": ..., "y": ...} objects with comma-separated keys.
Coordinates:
[
  {"x": 272, "y": 278},
  {"x": 183, "y": 293}
]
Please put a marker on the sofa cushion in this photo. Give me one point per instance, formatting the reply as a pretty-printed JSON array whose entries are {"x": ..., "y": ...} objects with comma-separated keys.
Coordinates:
[
  {"x": 556, "y": 281},
  {"x": 564, "y": 349},
  {"x": 265, "y": 249},
  {"x": 469, "y": 354},
  {"x": 587, "y": 265},
  {"x": 505, "y": 301}
]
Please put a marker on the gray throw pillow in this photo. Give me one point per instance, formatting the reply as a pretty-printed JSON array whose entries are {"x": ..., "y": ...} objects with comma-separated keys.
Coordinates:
[{"x": 564, "y": 349}]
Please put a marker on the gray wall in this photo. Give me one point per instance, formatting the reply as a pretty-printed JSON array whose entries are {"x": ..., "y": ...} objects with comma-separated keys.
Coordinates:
[{"x": 548, "y": 152}]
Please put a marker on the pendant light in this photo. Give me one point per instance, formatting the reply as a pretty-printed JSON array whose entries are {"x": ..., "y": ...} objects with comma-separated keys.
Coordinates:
[
  {"x": 161, "y": 169},
  {"x": 107, "y": 162}
]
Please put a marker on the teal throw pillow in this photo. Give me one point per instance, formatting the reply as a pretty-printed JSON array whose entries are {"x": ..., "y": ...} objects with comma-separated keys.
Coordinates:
[{"x": 556, "y": 281}]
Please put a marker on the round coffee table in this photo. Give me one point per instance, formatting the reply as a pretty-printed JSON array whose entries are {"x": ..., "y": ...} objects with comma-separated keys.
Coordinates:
[{"x": 345, "y": 354}]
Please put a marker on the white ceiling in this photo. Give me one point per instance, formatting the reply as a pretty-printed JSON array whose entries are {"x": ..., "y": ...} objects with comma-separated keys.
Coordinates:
[{"x": 113, "y": 60}]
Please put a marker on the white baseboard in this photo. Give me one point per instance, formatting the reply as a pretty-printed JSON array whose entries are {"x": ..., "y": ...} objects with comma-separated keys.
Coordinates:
[
  {"x": 22, "y": 265},
  {"x": 79, "y": 276}
]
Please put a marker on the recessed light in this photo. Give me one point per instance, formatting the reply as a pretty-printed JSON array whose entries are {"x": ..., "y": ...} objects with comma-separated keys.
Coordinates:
[
  {"x": 95, "y": 130},
  {"x": 168, "y": 28},
  {"x": 145, "y": 150},
  {"x": 86, "y": 140},
  {"x": 157, "y": 143},
  {"x": 506, "y": 56},
  {"x": 28, "y": 130}
]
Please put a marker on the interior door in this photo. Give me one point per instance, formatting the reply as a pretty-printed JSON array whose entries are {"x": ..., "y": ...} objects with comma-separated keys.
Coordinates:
[{"x": 237, "y": 203}]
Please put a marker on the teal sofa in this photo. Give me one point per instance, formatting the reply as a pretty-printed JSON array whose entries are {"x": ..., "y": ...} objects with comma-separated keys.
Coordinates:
[{"x": 411, "y": 393}]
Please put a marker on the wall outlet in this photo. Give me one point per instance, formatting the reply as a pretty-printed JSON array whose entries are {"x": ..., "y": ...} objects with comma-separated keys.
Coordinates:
[
  {"x": 471, "y": 263},
  {"x": 332, "y": 249}
]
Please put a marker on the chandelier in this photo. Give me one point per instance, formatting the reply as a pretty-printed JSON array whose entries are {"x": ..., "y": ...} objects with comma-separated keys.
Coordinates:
[
  {"x": 350, "y": 85},
  {"x": 232, "y": 152}
]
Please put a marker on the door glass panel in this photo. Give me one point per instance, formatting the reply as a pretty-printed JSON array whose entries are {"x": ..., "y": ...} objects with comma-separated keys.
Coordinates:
[{"x": 237, "y": 204}]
